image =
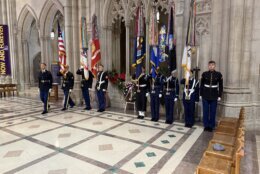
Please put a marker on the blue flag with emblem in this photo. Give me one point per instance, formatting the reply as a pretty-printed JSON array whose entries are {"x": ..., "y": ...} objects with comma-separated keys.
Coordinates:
[
  {"x": 139, "y": 53},
  {"x": 154, "y": 60}
]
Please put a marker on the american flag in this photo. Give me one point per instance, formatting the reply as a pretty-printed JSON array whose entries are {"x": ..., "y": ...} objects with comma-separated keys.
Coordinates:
[{"x": 62, "y": 51}]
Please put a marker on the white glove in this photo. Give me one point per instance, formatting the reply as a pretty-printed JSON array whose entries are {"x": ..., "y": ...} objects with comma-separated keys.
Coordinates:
[
  {"x": 219, "y": 98},
  {"x": 50, "y": 90},
  {"x": 70, "y": 90},
  {"x": 104, "y": 90},
  {"x": 160, "y": 95},
  {"x": 147, "y": 94},
  {"x": 175, "y": 99},
  {"x": 200, "y": 97},
  {"x": 38, "y": 90},
  {"x": 98, "y": 88},
  {"x": 81, "y": 67}
]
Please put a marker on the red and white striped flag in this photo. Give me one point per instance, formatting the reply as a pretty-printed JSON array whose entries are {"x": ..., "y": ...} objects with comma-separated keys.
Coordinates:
[{"x": 62, "y": 51}]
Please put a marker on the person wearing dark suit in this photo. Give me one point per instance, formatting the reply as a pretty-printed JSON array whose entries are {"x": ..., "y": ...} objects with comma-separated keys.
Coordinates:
[
  {"x": 143, "y": 85},
  {"x": 67, "y": 87},
  {"x": 171, "y": 93},
  {"x": 45, "y": 86},
  {"x": 101, "y": 88},
  {"x": 211, "y": 89},
  {"x": 156, "y": 91},
  {"x": 86, "y": 84},
  {"x": 190, "y": 96}
]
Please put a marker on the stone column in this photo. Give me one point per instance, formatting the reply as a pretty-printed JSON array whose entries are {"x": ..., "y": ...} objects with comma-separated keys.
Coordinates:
[
  {"x": 147, "y": 57},
  {"x": 127, "y": 25},
  {"x": 4, "y": 12},
  {"x": 26, "y": 63},
  {"x": 12, "y": 38},
  {"x": 235, "y": 42},
  {"x": 224, "y": 40},
  {"x": 43, "y": 53},
  {"x": 235, "y": 95},
  {"x": 1, "y": 20},
  {"x": 109, "y": 47},
  {"x": 75, "y": 59},
  {"x": 20, "y": 69},
  {"x": 216, "y": 17},
  {"x": 68, "y": 30}
]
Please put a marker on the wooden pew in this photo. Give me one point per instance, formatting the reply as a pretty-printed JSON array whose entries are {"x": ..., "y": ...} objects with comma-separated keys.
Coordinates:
[
  {"x": 3, "y": 90},
  {"x": 11, "y": 88},
  {"x": 8, "y": 89}
]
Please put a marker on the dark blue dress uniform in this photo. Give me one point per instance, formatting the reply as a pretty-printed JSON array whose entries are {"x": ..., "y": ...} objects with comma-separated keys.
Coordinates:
[
  {"x": 101, "y": 87},
  {"x": 171, "y": 91},
  {"x": 156, "y": 92},
  {"x": 86, "y": 84},
  {"x": 67, "y": 85},
  {"x": 210, "y": 89},
  {"x": 190, "y": 96},
  {"x": 142, "y": 85},
  {"x": 45, "y": 84}
]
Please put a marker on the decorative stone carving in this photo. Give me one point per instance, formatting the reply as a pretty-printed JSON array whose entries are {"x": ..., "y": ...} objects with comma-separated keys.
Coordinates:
[
  {"x": 203, "y": 6},
  {"x": 203, "y": 18},
  {"x": 126, "y": 9},
  {"x": 203, "y": 25}
]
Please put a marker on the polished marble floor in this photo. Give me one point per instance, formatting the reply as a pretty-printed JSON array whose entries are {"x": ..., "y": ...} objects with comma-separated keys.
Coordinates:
[{"x": 80, "y": 142}]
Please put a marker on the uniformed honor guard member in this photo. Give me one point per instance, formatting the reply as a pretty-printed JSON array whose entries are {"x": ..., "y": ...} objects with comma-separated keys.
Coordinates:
[
  {"x": 190, "y": 96},
  {"x": 171, "y": 93},
  {"x": 156, "y": 92},
  {"x": 67, "y": 86},
  {"x": 142, "y": 92},
  {"x": 211, "y": 89},
  {"x": 45, "y": 86},
  {"x": 101, "y": 88},
  {"x": 86, "y": 84}
]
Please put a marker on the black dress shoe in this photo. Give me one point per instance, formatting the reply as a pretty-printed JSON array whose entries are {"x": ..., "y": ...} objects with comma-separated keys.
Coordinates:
[
  {"x": 210, "y": 129},
  {"x": 139, "y": 117},
  {"x": 63, "y": 109},
  {"x": 49, "y": 106},
  {"x": 152, "y": 119},
  {"x": 99, "y": 110},
  {"x": 44, "y": 112},
  {"x": 167, "y": 122},
  {"x": 87, "y": 108}
]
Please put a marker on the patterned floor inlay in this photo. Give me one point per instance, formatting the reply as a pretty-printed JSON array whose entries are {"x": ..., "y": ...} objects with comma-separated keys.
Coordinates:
[{"x": 78, "y": 141}]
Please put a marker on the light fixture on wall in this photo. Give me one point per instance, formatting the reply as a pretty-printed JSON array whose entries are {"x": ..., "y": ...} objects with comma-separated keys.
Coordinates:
[
  {"x": 52, "y": 34},
  {"x": 158, "y": 16}
]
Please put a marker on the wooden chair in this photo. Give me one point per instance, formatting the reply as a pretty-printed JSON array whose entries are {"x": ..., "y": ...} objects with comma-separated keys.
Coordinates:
[
  {"x": 227, "y": 139},
  {"x": 230, "y": 121},
  {"x": 228, "y": 153},
  {"x": 228, "y": 130},
  {"x": 214, "y": 165}
]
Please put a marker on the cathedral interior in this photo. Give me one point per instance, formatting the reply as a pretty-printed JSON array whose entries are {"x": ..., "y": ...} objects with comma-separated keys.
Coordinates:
[{"x": 122, "y": 137}]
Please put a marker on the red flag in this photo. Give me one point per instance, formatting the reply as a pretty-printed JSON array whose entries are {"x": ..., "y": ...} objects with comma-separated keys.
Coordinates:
[{"x": 96, "y": 56}]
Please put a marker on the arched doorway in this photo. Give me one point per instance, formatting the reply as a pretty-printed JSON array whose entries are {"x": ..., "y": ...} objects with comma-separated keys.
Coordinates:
[{"x": 28, "y": 46}]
